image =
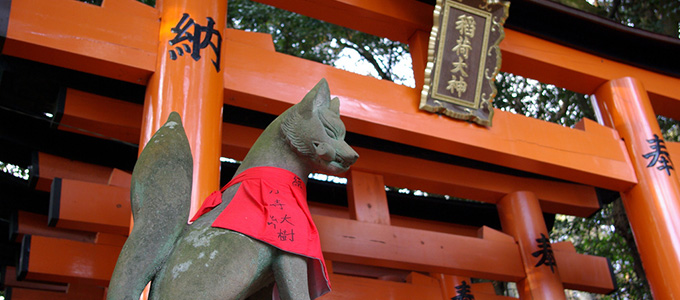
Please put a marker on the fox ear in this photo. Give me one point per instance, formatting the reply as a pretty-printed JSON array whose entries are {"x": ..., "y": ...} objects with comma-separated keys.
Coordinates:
[
  {"x": 319, "y": 96},
  {"x": 335, "y": 105}
]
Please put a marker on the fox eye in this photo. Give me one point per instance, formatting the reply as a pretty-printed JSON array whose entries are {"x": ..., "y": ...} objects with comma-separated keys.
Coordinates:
[{"x": 330, "y": 133}]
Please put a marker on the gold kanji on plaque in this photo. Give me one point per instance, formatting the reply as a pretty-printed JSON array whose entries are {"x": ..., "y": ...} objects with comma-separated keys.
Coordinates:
[{"x": 464, "y": 59}]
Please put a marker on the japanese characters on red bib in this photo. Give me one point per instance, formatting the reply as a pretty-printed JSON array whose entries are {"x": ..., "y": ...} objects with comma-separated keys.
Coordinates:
[{"x": 271, "y": 206}]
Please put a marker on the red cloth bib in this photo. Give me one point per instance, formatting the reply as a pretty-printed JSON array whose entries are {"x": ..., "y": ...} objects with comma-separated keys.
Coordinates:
[{"x": 271, "y": 206}]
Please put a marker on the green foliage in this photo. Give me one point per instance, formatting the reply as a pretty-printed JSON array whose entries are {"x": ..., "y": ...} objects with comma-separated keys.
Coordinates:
[
  {"x": 660, "y": 16},
  {"x": 607, "y": 234},
  {"x": 541, "y": 101},
  {"x": 670, "y": 128}
]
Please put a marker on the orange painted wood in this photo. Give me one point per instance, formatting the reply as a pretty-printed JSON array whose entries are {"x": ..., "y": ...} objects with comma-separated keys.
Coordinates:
[
  {"x": 101, "y": 117},
  {"x": 342, "y": 212},
  {"x": 482, "y": 288},
  {"x": 60, "y": 260},
  {"x": 366, "y": 197},
  {"x": 531, "y": 137},
  {"x": 421, "y": 279},
  {"x": 74, "y": 292},
  {"x": 393, "y": 19},
  {"x": 521, "y": 217},
  {"x": 434, "y": 177},
  {"x": 10, "y": 280},
  {"x": 112, "y": 42},
  {"x": 436, "y": 226},
  {"x": 578, "y": 71},
  {"x": 91, "y": 207},
  {"x": 456, "y": 181},
  {"x": 51, "y": 166},
  {"x": 389, "y": 111},
  {"x": 120, "y": 178},
  {"x": 587, "y": 273},
  {"x": 523, "y": 54},
  {"x": 673, "y": 149},
  {"x": 418, "y": 47},
  {"x": 374, "y": 272},
  {"x": 192, "y": 88},
  {"x": 126, "y": 46},
  {"x": 349, "y": 287},
  {"x": 565, "y": 246},
  {"x": 488, "y": 233},
  {"x": 448, "y": 283},
  {"x": 653, "y": 205},
  {"x": 417, "y": 250},
  {"x": 18, "y": 293},
  {"x": 110, "y": 239},
  {"x": 469, "y": 141},
  {"x": 35, "y": 224}
]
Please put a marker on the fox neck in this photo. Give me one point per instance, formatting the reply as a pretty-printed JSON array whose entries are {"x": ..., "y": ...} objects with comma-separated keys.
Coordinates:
[{"x": 272, "y": 149}]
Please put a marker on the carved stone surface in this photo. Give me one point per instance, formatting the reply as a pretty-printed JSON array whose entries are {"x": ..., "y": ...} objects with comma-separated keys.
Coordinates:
[{"x": 206, "y": 262}]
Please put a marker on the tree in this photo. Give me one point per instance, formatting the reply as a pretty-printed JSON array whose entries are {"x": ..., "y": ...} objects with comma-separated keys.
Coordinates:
[{"x": 660, "y": 16}]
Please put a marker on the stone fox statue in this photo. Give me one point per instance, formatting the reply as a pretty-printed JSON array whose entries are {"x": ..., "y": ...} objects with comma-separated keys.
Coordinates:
[{"x": 255, "y": 232}]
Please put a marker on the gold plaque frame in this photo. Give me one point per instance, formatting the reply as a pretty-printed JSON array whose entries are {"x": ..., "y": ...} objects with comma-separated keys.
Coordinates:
[{"x": 475, "y": 29}]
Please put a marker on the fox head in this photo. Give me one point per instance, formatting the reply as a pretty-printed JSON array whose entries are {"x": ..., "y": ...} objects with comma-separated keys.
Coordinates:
[{"x": 314, "y": 130}]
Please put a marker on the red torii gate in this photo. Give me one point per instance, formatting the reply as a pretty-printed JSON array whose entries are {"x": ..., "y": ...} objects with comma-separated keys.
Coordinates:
[{"x": 133, "y": 47}]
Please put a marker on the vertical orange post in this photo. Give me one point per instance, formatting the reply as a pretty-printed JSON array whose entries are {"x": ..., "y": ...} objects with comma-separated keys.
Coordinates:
[
  {"x": 522, "y": 218},
  {"x": 448, "y": 284},
  {"x": 653, "y": 205},
  {"x": 366, "y": 198},
  {"x": 188, "y": 79},
  {"x": 418, "y": 45}
]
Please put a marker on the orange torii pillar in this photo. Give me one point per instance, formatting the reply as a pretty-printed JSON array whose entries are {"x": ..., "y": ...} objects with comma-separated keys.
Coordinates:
[
  {"x": 189, "y": 79},
  {"x": 522, "y": 218},
  {"x": 653, "y": 205},
  {"x": 452, "y": 286}
]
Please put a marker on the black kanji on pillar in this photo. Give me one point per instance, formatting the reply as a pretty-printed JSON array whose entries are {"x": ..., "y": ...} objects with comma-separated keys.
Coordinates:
[
  {"x": 546, "y": 253},
  {"x": 658, "y": 155},
  {"x": 463, "y": 292},
  {"x": 200, "y": 38}
]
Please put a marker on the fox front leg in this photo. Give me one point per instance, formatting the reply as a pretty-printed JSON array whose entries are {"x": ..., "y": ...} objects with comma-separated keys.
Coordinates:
[{"x": 290, "y": 273}]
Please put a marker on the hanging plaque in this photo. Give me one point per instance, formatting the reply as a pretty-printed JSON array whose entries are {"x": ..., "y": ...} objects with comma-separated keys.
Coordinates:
[{"x": 464, "y": 58}]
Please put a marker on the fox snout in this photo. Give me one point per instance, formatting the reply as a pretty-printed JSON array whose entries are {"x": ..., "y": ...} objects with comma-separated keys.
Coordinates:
[{"x": 342, "y": 155}]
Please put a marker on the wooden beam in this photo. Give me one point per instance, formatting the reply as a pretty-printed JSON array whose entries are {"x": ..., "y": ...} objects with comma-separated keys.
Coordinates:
[
  {"x": 462, "y": 182},
  {"x": 495, "y": 257},
  {"x": 366, "y": 197},
  {"x": 49, "y": 166},
  {"x": 342, "y": 212},
  {"x": 388, "y": 111},
  {"x": 20, "y": 293},
  {"x": 101, "y": 117},
  {"x": 372, "y": 107},
  {"x": 430, "y": 176},
  {"x": 587, "y": 273},
  {"x": 394, "y": 19},
  {"x": 418, "y": 250},
  {"x": 350, "y": 287},
  {"x": 9, "y": 277},
  {"x": 523, "y": 54},
  {"x": 76, "y": 291},
  {"x": 89, "y": 206},
  {"x": 122, "y": 45},
  {"x": 59, "y": 260},
  {"x": 35, "y": 224},
  {"x": 582, "y": 72}
]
